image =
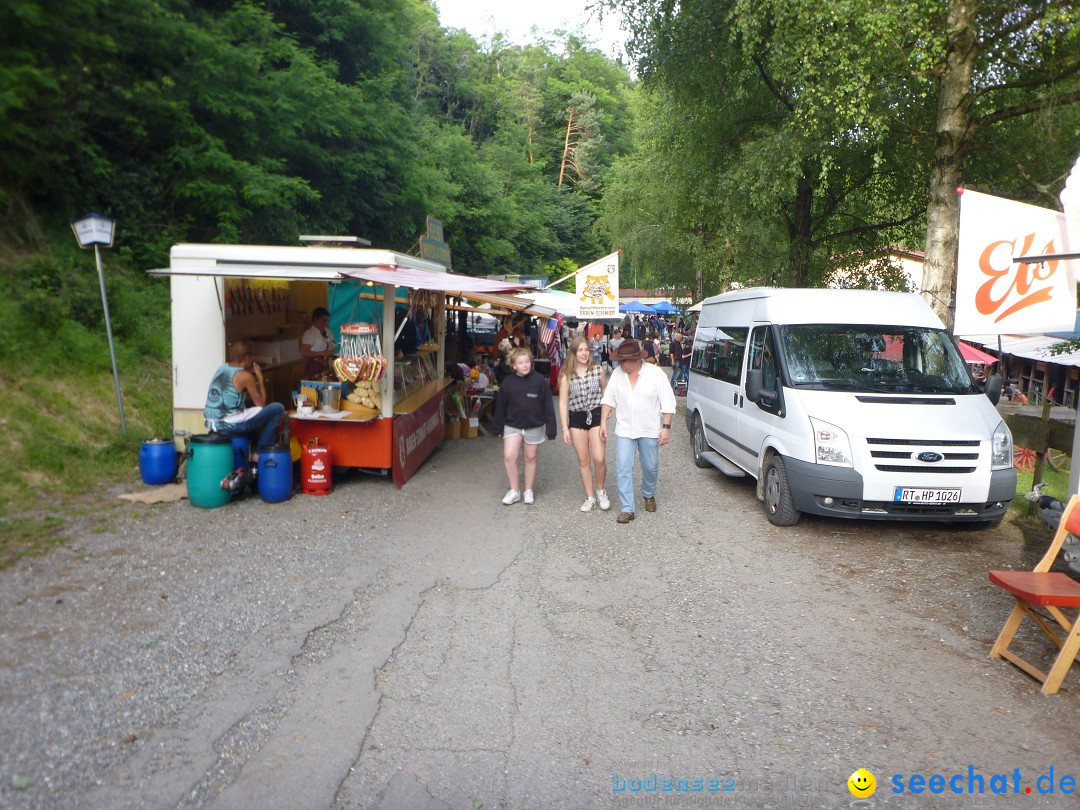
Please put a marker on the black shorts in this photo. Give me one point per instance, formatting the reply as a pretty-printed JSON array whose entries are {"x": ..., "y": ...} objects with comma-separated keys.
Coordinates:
[{"x": 585, "y": 420}]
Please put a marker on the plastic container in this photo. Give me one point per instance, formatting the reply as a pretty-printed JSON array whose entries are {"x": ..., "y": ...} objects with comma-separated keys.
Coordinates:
[
  {"x": 315, "y": 469},
  {"x": 157, "y": 462},
  {"x": 241, "y": 447},
  {"x": 210, "y": 460},
  {"x": 275, "y": 473}
]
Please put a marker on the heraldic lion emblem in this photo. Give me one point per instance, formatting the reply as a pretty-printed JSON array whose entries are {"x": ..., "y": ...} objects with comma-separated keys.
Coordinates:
[{"x": 596, "y": 288}]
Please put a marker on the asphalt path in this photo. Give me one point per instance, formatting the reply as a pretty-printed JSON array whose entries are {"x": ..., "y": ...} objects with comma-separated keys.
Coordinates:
[{"x": 429, "y": 647}]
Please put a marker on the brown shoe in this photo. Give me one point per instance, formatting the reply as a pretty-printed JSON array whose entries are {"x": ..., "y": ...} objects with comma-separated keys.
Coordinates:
[
  {"x": 624, "y": 517},
  {"x": 650, "y": 504}
]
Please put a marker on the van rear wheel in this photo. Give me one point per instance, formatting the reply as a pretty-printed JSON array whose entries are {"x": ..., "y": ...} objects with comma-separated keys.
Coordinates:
[
  {"x": 779, "y": 507},
  {"x": 697, "y": 441}
]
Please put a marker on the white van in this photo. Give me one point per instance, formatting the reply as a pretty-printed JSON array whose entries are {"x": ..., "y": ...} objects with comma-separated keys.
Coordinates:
[{"x": 848, "y": 403}]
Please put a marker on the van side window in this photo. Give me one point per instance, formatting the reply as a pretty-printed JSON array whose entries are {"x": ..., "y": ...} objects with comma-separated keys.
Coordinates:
[
  {"x": 763, "y": 356},
  {"x": 718, "y": 352}
]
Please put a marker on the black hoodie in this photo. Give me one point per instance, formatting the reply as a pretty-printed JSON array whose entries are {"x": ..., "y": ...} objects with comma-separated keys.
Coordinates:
[{"x": 524, "y": 402}]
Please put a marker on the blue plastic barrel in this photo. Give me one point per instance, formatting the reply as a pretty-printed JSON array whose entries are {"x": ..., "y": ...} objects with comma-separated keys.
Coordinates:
[
  {"x": 157, "y": 462},
  {"x": 210, "y": 460},
  {"x": 275, "y": 473},
  {"x": 241, "y": 447}
]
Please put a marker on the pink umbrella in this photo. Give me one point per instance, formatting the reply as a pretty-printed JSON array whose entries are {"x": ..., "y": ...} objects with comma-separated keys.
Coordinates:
[{"x": 973, "y": 356}]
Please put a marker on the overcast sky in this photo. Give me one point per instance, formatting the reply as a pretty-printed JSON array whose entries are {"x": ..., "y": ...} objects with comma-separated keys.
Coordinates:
[{"x": 515, "y": 19}]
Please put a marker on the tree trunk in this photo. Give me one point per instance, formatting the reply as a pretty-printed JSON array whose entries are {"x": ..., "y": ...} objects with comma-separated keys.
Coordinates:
[
  {"x": 799, "y": 234},
  {"x": 566, "y": 146},
  {"x": 953, "y": 133}
]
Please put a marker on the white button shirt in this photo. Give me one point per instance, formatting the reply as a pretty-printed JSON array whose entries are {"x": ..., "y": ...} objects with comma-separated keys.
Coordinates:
[{"x": 638, "y": 410}]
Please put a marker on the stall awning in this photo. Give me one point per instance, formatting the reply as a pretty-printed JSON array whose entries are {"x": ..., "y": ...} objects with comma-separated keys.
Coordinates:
[
  {"x": 284, "y": 262},
  {"x": 383, "y": 267},
  {"x": 1031, "y": 347},
  {"x": 426, "y": 280},
  {"x": 512, "y": 303},
  {"x": 470, "y": 287}
]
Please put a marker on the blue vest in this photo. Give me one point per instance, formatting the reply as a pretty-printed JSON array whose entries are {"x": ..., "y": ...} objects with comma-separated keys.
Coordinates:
[{"x": 222, "y": 398}]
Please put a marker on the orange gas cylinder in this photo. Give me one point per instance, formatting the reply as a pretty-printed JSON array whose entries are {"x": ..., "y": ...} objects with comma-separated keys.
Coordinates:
[{"x": 315, "y": 469}]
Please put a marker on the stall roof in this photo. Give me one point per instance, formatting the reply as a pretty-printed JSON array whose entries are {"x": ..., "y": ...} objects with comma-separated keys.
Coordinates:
[
  {"x": 1032, "y": 347},
  {"x": 426, "y": 280},
  {"x": 283, "y": 261},
  {"x": 335, "y": 263},
  {"x": 512, "y": 302},
  {"x": 475, "y": 289}
]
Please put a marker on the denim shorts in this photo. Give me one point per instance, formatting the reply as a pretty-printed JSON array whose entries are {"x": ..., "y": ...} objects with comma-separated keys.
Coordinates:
[
  {"x": 584, "y": 420},
  {"x": 533, "y": 435}
]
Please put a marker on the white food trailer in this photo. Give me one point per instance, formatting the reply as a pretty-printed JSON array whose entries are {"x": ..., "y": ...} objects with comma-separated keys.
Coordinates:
[{"x": 264, "y": 294}]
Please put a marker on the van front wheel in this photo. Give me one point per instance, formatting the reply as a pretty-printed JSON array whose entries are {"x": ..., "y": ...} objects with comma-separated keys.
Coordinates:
[
  {"x": 779, "y": 507},
  {"x": 697, "y": 441}
]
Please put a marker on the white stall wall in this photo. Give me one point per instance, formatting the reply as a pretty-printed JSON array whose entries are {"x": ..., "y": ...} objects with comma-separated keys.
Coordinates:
[{"x": 198, "y": 341}]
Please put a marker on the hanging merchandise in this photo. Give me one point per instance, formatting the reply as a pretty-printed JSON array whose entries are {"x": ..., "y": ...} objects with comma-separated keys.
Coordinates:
[
  {"x": 361, "y": 356},
  {"x": 422, "y": 306}
]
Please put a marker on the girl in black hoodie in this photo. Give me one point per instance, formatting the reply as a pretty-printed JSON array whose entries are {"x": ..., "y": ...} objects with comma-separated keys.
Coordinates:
[{"x": 524, "y": 415}]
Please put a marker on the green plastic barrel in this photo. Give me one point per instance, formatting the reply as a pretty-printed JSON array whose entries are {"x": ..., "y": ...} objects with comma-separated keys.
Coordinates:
[{"x": 210, "y": 460}]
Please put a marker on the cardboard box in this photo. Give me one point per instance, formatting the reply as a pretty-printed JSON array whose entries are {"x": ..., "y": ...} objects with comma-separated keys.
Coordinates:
[
  {"x": 470, "y": 428},
  {"x": 275, "y": 350},
  {"x": 453, "y": 430}
]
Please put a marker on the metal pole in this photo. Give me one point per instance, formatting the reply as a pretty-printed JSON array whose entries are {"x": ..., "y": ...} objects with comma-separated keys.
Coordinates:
[{"x": 108, "y": 330}]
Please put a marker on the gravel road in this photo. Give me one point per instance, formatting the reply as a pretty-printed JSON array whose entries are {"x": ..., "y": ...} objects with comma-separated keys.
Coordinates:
[{"x": 430, "y": 648}]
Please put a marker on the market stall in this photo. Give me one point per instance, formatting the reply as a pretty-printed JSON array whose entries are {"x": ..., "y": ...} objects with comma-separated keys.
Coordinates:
[{"x": 263, "y": 294}]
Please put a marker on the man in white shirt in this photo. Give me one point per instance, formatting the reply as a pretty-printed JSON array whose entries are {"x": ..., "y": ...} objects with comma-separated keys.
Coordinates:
[{"x": 644, "y": 406}]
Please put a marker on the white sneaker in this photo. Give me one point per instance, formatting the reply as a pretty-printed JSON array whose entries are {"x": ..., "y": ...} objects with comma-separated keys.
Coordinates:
[
  {"x": 588, "y": 505},
  {"x": 528, "y": 496},
  {"x": 602, "y": 499},
  {"x": 512, "y": 496}
]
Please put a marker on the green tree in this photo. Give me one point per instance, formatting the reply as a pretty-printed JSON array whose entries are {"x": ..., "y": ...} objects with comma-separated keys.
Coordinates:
[
  {"x": 993, "y": 64},
  {"x": 785, "y": 160},
  {"x": 866, "y": 96}
]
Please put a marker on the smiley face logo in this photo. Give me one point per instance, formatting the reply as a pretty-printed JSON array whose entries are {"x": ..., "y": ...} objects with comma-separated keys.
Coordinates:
[{"x": 862, "y": 784}]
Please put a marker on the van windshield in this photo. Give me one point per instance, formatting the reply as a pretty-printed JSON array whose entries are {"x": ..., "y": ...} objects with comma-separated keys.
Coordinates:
[{"x": 891, "y": 359}]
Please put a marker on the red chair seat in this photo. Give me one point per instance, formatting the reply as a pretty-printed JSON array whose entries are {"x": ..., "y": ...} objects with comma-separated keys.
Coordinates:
[{"x": 1040, "y": 587}]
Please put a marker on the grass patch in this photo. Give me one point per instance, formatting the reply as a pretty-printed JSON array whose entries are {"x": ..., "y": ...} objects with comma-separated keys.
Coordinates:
[
  {"x": 60, "y": 434},
  {"x": 29, "y": 537},
  {"x": 1024, "y": 510}
]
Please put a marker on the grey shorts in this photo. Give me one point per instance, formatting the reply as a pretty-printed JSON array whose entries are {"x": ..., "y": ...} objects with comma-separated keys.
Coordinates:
[{"x": 534, "y": 435}]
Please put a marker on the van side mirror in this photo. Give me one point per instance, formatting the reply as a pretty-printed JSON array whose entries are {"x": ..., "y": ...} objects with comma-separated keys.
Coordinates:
[
  {"x": 753, "y": 384},
  {"x": 754, "y": 393},
  {"x": 993, "y": 388}
]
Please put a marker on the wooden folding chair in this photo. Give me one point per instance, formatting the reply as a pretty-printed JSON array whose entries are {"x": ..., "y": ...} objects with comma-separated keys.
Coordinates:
[{"x": 1041, "y": 589}]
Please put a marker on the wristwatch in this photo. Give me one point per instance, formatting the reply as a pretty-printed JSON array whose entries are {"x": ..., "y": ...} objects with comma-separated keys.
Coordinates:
[{"x": 665, "y": 427}]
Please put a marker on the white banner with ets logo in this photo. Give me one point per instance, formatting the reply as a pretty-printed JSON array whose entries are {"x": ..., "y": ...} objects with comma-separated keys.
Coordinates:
[{"x": 994, "y": 294}]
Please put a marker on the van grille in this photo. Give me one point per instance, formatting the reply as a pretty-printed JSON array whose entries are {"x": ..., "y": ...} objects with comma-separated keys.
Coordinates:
[
  {"x": 924, "y": 468},
  {"x": 906, "y": 455},
  {"x": 927, "y": 442},
  {"x": 899, "y": 455}
]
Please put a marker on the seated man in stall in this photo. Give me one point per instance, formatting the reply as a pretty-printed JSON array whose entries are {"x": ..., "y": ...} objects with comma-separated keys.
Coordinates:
[{"x": 226, "y": 408}]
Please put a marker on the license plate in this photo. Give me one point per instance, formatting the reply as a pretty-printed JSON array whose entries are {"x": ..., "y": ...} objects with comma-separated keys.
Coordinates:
[{"x": 917, "y": 495}]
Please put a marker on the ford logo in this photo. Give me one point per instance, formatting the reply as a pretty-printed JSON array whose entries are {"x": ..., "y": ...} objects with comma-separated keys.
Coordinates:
[{"x": 930, "y": 458}]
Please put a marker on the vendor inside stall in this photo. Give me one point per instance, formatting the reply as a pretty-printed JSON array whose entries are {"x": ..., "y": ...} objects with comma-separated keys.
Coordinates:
[{"x": 318, "y": 345}]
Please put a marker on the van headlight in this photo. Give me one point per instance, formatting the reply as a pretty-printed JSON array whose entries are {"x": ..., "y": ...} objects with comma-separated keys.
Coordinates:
[
  {"x": 1001, "y": 456},
  {"x": 831, "y": 445}
]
